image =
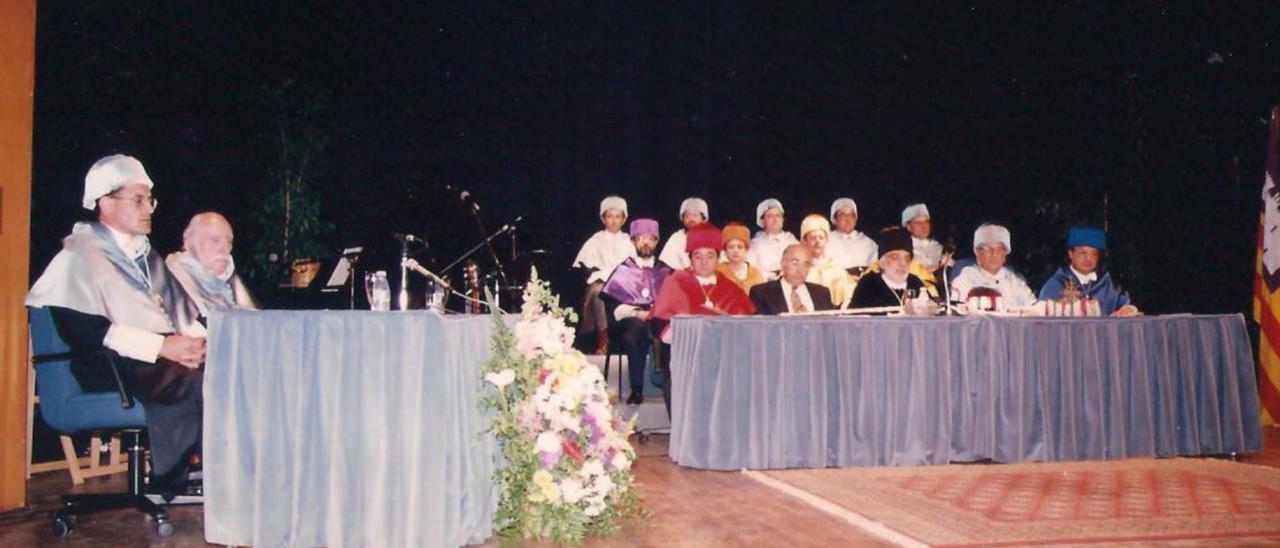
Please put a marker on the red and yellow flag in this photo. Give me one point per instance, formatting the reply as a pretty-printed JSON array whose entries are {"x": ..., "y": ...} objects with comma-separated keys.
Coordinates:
[{"x": 1266, "y": 285}]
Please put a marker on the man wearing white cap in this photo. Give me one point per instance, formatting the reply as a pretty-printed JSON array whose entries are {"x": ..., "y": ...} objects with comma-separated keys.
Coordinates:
[
  {"x": 601, "y": 253},
  {"x": 927, "y": 251},
  {"x": 204, "y": 268},
  {"x": 849, "y": 248},
  {"x": 768, "y": 244},
  {"x": 693, "y": 211},
  {"x": 991, "y": 246},
  {"x": 113, "y": 301}
]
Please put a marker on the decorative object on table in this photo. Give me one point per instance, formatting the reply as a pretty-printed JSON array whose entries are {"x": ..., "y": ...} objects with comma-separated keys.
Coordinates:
[{"x": 568, "y": 462}]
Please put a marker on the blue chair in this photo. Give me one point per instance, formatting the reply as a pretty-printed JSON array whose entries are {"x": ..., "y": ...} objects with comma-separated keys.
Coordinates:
[{"x": 67, "y": 408}]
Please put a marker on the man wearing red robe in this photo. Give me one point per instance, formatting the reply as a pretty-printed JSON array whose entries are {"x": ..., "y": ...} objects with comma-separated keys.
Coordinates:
[{"x": 698, "y": 290}]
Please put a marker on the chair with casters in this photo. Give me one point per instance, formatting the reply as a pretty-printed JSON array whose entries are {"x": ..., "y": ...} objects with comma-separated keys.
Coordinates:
[{"x": 68, "y": 409}]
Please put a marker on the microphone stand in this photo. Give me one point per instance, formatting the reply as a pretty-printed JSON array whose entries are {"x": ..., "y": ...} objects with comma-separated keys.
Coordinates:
[
  {"x": 403, "y": 298},
  {"x": 484, "y": 243},
  {"x": 497, "y": 263}
]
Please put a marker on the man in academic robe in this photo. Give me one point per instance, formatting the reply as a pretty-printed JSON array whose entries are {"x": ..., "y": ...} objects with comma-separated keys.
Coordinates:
[
  {"x": 112, "y": 299},
  {"x": 893, "y": 284},
  {"x": 767, "y": 245},
  {"x": 850, "y": 248},
  {"x": 600, "y": 254},
  {"x": 693, "y": 211},
  {"x": 991, "y": 246},
  {"x": 629, "y": 294},
  {"x": 1085, "y": 246},
  {"x": 925, "y": 250},
  {"x": 698, "y": 290},
  {"x": 204, "y": 268},
  {"x": 814, "y": 234},
  {"x": 790, "y": 293}
]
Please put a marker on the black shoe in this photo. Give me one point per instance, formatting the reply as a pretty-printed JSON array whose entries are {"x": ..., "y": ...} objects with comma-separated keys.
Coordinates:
[{"x": 635, "y": 398}]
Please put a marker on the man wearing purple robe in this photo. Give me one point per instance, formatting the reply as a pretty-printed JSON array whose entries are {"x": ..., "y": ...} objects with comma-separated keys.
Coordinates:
[{"x": 629, "y": 294}]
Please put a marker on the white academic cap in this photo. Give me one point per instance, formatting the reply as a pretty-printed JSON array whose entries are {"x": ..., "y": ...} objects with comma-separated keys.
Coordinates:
[
  {"x": 989, "y": 234},
  {"x": 613, "y": 202},
  {"x": 111, "y": 174},
  {"x": 914, "y": 210},
  {"x": 766, "y": 205},
  {"x": 695, "y": 204},
  {"x": 842, "y": 203}
]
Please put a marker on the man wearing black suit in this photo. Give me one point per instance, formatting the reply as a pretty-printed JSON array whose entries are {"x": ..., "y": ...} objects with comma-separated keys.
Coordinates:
[{"x": 790, "y": 293}]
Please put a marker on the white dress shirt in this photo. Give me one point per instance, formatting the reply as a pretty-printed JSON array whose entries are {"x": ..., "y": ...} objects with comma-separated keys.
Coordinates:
[{"x": 802, "y": 291}]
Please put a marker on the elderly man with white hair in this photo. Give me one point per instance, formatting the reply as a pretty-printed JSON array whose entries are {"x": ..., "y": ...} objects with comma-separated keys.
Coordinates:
[
  {"x": 991, "y": 246},
  {"x": 204, "y": 268},
  {"x": 113, "y": 301},
  {"x": 693, "y": 212},
  {"x": 849, "y": 248},
  {"x": 769, "y": 243}
]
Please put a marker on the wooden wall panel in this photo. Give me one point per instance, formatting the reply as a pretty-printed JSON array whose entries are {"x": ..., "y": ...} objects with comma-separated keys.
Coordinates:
[{"x": 17, "y": 86}]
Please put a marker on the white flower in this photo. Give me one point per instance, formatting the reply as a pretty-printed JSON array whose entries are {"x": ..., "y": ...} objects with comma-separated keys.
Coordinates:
[
  {"x": 621, "y": 461},
  {"x": 591, "y": 468},
  {"x": 595, "y": 509},
  {"x": 572, "y": 491},
  {"x": 548, "y": 442},
  {"x": 501, "y": 378}
]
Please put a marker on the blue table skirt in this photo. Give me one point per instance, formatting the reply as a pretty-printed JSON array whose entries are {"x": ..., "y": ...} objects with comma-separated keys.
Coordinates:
[
  {"x": 770, "y": 392},
  {"x": 346, "y": 428}
]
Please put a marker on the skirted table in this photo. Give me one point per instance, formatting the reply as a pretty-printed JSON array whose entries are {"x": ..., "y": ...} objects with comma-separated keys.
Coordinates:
[
  {"x": 346, "y": 428},
  {"x": 771, "y": 392}
]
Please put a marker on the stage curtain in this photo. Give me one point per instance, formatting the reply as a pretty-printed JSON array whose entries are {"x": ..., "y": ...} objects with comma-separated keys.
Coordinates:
[
  {"x": 346, "y": 428},
  {"x": 756, "y": 392}
]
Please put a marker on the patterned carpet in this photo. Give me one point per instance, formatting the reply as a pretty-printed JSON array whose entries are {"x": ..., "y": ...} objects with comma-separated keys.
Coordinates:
[{"x": 1080, "y": 502}]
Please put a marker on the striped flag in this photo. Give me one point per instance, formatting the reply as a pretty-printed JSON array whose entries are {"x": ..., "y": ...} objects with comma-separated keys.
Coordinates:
[{"x": 1266, "y": 286}]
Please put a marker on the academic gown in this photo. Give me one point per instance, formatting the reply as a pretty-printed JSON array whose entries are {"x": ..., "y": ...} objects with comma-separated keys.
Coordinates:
[
  {"x": 90, "y": 286},
  {"x": 872, "y": 291},
  {"x": 1108, "y": 294}
]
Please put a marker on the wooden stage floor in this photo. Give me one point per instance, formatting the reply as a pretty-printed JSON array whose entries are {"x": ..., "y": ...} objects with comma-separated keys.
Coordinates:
[{"x": 688, "y": 507}]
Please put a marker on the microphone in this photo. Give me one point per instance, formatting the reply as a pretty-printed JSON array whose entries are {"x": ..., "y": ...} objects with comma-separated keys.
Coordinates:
[
  {"x": 408, "y": 238},
  {"x": 464, "y": 196}
]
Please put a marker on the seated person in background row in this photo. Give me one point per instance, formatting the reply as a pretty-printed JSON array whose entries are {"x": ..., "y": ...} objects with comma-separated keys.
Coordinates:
[
  {"x": 698, "y": 290},
  {"x": 629, "y": 294},
  {"x": 991, "y": 246},
  {"x": 112, "y": 299},
  {"x": 823, "y": 270},
  {"x": 693, "y": 211},
  {"x": 790, "y": 292},
  {"x": 204, "y": 268},
  {"x": 601, "y": 253},
  {"x": 1085, "y": 246},
  {"x": 851, "y": 249},
  {"x": 767, "y": 245},
  {"x": 893, "y": 283},
  {"x": 737, "y": 240},
  {"x": 926, "y": 250}
]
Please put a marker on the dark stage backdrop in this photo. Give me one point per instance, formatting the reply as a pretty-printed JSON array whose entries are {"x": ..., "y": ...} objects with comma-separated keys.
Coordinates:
[{"x": 1148, "y": 119}]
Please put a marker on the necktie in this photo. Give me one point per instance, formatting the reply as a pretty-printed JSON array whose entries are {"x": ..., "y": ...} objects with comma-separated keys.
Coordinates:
[{"x": 797, "y": 305}]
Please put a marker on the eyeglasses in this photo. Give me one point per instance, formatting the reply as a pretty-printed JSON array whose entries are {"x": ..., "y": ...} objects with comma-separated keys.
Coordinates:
[{"x": 138, "y": 200}]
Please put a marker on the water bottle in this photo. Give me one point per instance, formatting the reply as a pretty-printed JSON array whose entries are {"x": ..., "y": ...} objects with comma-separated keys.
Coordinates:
[{"x": 379, "y": 291}]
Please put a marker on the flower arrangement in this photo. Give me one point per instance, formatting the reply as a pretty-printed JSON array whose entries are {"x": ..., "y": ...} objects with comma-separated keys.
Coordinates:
[{"x": 568, "y": 463}]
